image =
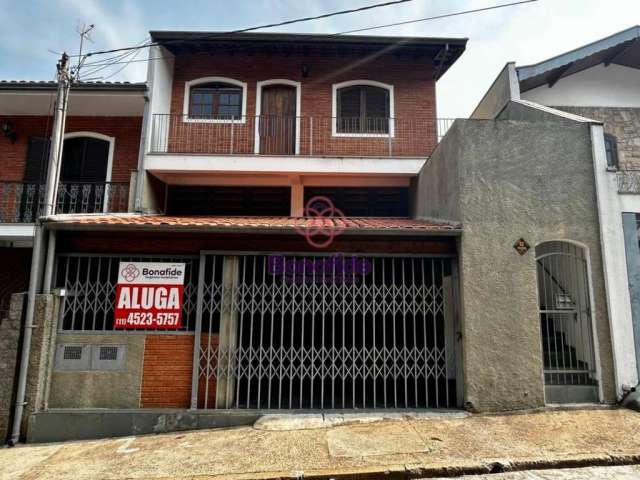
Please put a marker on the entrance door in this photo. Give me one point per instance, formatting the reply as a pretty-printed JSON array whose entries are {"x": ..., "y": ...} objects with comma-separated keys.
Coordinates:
[
  {"x": 278, "y": 120},
  {"x": 565, "y": 324}
]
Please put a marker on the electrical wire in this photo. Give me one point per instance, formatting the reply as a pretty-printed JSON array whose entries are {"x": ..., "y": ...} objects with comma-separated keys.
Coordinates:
[
  {"x": 436, "y": 17},
  {"x": 259, "y": 27}
]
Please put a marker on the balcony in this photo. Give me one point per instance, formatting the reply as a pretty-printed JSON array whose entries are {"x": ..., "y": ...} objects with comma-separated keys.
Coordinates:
[
  {"x": 297, "y": 136},
  {"x": 22, "y": 202}
]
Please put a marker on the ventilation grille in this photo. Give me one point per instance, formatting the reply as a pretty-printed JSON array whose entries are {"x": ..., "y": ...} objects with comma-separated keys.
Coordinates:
[
  {"x": 72, "y": 352},
  {"x": 85, "y": 357},
  {"x": 108, "y": 353}
]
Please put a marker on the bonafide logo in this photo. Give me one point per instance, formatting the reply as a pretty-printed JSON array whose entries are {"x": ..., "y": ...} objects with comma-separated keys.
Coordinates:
[
  {"x": 130, "y": 273},
  {"x": 321, "y": 214},
  {"x": 334, "y": 269}
]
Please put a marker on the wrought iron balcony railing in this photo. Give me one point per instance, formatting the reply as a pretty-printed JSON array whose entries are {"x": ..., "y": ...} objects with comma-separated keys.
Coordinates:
[
  {"x": 306, "y": 136},
  {"x": 22, "y": 202}
]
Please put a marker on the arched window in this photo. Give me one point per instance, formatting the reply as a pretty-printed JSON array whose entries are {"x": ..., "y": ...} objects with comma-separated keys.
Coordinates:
[
  {"x": 611, "y": 148},
  {"x": 215, "y": 99},
  {"x": 363, "y": 108}
]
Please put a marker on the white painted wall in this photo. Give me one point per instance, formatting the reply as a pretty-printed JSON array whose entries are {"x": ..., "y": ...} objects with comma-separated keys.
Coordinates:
[
  {"x": 599, "y": 86},
  {"x": 611, "y": 205}
]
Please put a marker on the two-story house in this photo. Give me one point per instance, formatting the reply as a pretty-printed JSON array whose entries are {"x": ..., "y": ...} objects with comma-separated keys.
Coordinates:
[{"x": 328, "y": 247}]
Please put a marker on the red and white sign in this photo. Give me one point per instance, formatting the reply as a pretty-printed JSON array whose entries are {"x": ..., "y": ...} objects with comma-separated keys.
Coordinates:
[{"x": 149, "y": 295}]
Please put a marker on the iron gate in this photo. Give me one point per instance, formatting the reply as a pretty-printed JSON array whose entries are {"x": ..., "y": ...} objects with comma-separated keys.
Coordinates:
[
  {"x": 565, "y": 322},
  {"x": 288, "y": 331}
]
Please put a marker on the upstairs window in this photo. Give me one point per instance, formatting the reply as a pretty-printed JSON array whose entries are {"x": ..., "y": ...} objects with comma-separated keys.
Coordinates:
[
  {"x": 611, "y": 149},
  {"x": 215, "y": 101},
  {"x": 363, "y": 109}
]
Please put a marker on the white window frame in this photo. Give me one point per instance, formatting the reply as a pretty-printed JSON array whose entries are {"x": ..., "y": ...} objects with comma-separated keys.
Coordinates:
[
  {"x": 334, "y": 109},
  {"x": 199, "y": 81},
  {"x": 277, "y": 81}
]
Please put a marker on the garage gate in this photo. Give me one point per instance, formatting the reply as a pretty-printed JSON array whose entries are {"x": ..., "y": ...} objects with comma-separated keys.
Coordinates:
[{"x": 287, "y": 331}]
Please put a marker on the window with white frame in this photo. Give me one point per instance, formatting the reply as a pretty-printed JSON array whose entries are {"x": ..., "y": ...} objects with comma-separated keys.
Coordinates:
[
  {"x": 362, "y": 108},
  {"x": 215, "y": 99}
]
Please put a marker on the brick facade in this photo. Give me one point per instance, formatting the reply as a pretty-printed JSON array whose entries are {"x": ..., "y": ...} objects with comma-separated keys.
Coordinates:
[
  {"x": 624, "y": 124},
  {"x": 126, "y": 131},
  {"x": 414, "y": 100}
]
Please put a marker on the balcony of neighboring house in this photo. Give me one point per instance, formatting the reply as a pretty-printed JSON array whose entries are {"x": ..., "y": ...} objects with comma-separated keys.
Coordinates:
[{"x": 84, "y": 186}]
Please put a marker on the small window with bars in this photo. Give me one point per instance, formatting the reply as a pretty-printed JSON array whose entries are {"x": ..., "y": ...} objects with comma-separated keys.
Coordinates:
[{"x": 611, "y": 149}]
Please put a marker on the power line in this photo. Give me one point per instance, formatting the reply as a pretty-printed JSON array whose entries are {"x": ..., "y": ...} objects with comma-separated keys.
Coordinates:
[
  {"x": 436, "y": 17},
  {"x": 259, "y": 27}
]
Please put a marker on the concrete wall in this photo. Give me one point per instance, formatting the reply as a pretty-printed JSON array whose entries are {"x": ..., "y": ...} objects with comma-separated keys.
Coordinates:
[
  {"x": 503, "y": 89},
  {"x": 515, "y": 179},
  {"x": 100, "y": 389},
  {"x": 623, "y": 123}
]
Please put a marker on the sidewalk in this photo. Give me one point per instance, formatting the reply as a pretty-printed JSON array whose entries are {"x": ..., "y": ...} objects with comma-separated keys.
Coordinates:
[{"x": 344, "y": 446}]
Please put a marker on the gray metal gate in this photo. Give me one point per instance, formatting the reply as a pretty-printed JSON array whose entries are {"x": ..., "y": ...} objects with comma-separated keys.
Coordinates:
[
  {"x": 565, "y": 323},
  {"x": 289, "y": 331}
]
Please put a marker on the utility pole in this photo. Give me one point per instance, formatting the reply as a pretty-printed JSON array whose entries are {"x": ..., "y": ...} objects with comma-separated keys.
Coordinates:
[{"x": 39, "y": 240}]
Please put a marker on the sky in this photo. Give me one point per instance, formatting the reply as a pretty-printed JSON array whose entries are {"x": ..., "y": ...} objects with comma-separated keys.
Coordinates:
[{"x": 34, "y": 30}]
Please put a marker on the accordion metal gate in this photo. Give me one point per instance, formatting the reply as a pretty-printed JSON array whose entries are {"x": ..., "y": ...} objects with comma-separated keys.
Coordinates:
[{"x": 300, "y": 331}]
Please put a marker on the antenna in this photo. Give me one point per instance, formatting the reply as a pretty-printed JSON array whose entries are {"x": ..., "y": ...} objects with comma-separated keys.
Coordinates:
[{"x": 83, "y": 30}]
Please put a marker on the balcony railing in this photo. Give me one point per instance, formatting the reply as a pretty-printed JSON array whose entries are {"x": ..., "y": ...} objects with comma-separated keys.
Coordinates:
[
  {"x": 22, "y": 202},
  {"x": 310, "y": 136}
]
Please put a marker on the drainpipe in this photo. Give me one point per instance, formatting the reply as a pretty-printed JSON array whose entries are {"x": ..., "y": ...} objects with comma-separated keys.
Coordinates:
[
  {"x": 34, "y": 280},
  {"x": 137, "y": 204}
]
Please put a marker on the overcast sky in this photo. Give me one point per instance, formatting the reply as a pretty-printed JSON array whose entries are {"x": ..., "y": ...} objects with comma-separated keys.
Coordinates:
[{"x": 525, "y": 34}]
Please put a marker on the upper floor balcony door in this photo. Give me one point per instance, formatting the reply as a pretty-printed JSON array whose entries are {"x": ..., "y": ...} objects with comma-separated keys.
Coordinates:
[{"x": 277, "y": 127}]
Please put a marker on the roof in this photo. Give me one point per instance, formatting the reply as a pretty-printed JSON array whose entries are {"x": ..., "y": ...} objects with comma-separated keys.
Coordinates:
[
  {"x": 38, "y": 85},
  {"x": 622, "y": 48},
  {"x": 444, "y": 51},
  {"x": 281, "y": 225}
]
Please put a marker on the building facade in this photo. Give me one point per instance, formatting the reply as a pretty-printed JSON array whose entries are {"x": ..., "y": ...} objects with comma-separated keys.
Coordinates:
[{"x": 333, "y": 247}]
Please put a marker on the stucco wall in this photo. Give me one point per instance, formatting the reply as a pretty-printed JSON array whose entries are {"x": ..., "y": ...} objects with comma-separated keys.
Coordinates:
[
  {"x": 503, "y": 89},
  {"x": 623, "y": 123},
  {"x": 100, "y": 389},
  {"x": 516, "y": 179}
]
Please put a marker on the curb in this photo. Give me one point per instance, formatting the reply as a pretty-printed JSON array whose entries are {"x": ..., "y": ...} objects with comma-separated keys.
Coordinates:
[{"x": 407, "y": 472}]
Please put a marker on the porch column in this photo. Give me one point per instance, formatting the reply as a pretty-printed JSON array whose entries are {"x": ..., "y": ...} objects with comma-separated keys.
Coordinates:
[{"x": 228, "y": 339}]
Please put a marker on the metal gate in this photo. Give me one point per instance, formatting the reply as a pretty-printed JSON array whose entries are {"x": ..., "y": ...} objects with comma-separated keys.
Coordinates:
[
  {"x": 565, "y": 323},
  {"x": 289, "y": 331}
]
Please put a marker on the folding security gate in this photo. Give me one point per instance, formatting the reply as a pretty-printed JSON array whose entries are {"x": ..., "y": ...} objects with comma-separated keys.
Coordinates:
[
  {"x": 288, "y": 331},
  {"x": 566, "y": 324}
]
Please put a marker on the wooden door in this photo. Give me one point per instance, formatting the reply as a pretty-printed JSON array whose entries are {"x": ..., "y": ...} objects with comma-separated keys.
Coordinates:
[{"x": 278, "y": 120}]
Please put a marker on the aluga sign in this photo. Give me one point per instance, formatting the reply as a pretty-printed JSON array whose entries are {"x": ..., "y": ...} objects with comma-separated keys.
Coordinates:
[{"x": 149, "y": 295}]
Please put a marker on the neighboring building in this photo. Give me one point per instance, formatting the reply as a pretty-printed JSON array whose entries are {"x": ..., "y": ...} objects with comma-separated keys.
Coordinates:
[
  {"x": 422, "y": 287},
  {"x": 601, "y": 81}
]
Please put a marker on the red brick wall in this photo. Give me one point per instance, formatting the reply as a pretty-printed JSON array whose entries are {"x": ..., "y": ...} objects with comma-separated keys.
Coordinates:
[
  {"x": 414, "y": 91},
  {"x": 126, "y": 131},
  {"x": 166, "y": 373}
]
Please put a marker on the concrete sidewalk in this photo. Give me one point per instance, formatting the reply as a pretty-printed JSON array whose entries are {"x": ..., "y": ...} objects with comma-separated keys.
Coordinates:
[{"x": 335, "y": 446}]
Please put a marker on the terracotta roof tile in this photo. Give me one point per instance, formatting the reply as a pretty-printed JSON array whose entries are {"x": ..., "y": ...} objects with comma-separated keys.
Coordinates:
[{"x": 263, "y": 224}]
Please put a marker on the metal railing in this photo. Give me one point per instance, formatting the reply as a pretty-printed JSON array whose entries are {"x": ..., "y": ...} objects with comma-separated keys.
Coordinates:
[
  {"x": 306, "y": 136},
  {"x": 22, "y": 202}
]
